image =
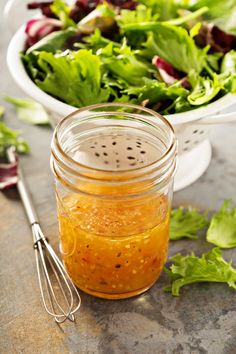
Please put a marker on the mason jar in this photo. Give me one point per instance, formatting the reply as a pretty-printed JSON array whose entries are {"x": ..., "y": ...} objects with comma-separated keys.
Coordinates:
[{"x": 114, "y": 166}]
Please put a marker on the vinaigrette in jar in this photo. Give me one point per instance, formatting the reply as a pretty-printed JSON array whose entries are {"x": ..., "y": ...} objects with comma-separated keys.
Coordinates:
[{"x": 113, "y": 220}]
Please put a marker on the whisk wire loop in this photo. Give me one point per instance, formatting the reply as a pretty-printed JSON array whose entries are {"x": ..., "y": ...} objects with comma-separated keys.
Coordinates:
[
  {"x": 60, "y": 297},
  {"x": 45, "y": 254}
]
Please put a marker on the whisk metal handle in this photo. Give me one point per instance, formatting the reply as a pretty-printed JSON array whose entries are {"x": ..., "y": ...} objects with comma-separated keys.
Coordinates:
[{"x": 23, "y": 191}]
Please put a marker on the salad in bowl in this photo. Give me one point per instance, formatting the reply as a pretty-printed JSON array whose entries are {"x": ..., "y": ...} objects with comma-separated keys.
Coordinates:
[{"x": 171, "y": 56}]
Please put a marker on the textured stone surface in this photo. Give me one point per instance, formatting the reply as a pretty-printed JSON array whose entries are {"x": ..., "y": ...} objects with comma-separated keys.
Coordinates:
[{"x": 201, "y": 320}]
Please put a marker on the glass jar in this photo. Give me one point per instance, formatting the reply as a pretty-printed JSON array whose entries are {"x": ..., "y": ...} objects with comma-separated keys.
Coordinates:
[{"x": 114, "y": 167}]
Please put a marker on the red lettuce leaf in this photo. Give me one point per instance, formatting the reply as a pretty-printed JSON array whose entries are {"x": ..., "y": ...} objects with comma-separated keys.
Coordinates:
[
  {"x": 218, "y": 40},
  {"x": 83, "y": 7},
  {"x": 8, "y": 175},
  {"x": 45, "y": 7},
  {"x": 36, "y": 29},
  {"x": 167, "y": 72}
]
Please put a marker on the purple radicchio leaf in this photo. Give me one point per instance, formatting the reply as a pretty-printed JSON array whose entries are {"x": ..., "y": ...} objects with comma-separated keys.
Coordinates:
[
  {"x": 218, "y": 40},
  {"x": 44, "y": 6},
  {"x": 36, "y": 29},
  {"x": 168, "y": 73},
  {"x": 8, "y": 175}
]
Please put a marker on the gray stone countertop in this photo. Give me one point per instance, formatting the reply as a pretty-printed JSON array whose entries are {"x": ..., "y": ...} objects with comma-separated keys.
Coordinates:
[{"x": 201, "y": 320}]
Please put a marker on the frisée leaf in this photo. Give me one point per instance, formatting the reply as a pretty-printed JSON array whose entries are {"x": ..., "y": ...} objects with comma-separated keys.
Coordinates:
[
  {"x": 186, "y": 223},
  {"x": 222, "y": 229},
  {"x": 221, "y": 13},
  {"x": 2, "y": 111},
  {"x": 155, "y": 91},
  {"x": 204, "y": 88},
  {"x": 122, "y": 62},
  {"x": 140, "y": 14},
  {"x": 29, "y": 110},
  {"x": 10, "y": 137},
  {"x": 210, "y": 267},
  {"x": 74, "y": 77},
  {"x": 62, "y": 11},
  {"x": 179, "y": 50},
  {"x": 166, "y": 9}
]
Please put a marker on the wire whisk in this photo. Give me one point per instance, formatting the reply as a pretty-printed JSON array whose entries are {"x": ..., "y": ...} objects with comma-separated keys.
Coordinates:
[{"x": 60, "y": 297}]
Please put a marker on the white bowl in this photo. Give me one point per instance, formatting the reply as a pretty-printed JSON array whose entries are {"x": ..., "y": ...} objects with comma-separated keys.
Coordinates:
[{"x": 191, "y": 127}]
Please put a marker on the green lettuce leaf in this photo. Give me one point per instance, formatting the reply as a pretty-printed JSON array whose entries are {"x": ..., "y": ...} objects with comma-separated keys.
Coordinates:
[
  {"x": 155, "y": 91},
  {"x": 222, "y": 229},
  {"x": 166, "y": 9},
  {"x": 96, "y": 41},
  {"x": 172, "y": 44},
  {"x": 73, "y": 77},
  {"x": 102, "y": 17},
  {"x": 123, "y": 63},
  {"x": 29, "y": 111},
  {"x": 2, "y": 111},
  {"x": 62, "y": 11},
  {"x": 180, "y": 104},
  {"x": 221, "y": 13},
  {"x": 204, "y": 88},
  {"x": 186, "y": 223},
  {"x": 229, "y": 63},
  {"x": 228, "y": 72},
  {"x": 189, "y": 19},
  {"x": 10, "y": 137},
  {"x": 211, "y": 267},
  {"x": 140, "y": 14},
  {"x": 213, "y": 61},
  {"x": 53, "y": 41}
]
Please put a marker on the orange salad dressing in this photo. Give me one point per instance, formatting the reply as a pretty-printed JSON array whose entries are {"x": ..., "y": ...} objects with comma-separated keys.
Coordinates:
[{"x": 114, "y": 249}]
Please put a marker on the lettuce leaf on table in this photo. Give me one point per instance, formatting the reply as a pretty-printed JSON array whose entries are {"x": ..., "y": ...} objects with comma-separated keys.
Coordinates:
[
  {"x": 73, "y": 77},
  {"x": 10, "y": 137},
  {"x": 29, "y": 111},
  {"x": 172, "y": 44},
  {"x": 222, "y": 229},
  {"x": 2, "y": 111},
  {"x": 186, "y": 223},
  {"x": 210, "y": 267}
]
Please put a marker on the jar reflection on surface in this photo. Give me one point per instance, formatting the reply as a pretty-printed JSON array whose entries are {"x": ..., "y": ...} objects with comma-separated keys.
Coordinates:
[{"x": 114, "y": 220}]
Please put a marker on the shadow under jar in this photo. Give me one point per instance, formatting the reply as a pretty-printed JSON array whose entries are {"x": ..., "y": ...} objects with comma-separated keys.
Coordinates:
[{"x": 114, "y": 166}]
